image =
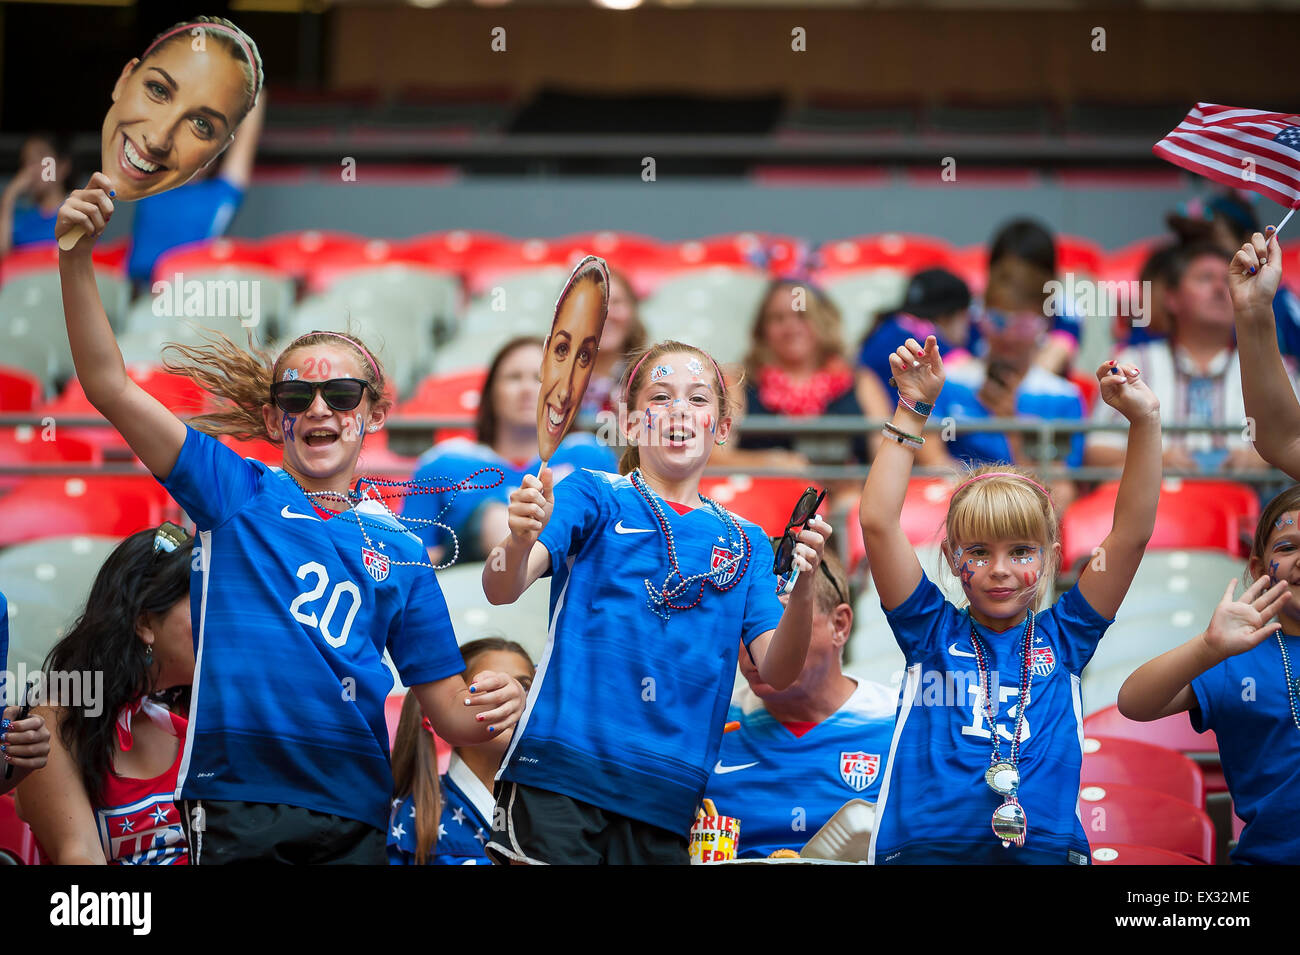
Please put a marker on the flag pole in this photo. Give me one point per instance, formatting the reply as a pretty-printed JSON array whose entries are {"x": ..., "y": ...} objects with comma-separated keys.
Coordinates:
[{"x": 1289, "y": 214}]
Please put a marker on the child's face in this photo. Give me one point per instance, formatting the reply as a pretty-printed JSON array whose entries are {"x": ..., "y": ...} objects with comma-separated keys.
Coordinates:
[
  {"x": 674, "y": 415},
  {"x": 1281, "y": 558},
  {"x": 999, "y": 577}
]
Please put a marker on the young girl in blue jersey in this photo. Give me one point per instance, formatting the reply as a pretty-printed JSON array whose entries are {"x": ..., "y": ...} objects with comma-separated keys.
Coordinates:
[
  {"x": 987, "y": 748},
  {"x": 1241, "y": 679},
  {"x": 447, "y": 820},
  {"x": 302, "y": 580},
  {"x": 652, "y": 588}
]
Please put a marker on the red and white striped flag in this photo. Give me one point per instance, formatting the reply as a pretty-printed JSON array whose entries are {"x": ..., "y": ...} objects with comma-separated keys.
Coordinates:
[{"x": 1242, "y": 148}]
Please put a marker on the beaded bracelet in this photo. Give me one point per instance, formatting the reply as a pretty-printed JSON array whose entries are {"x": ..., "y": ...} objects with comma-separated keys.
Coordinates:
[
  {"x": 923, "y": 408},
  {"x": 901, "y": 436}
]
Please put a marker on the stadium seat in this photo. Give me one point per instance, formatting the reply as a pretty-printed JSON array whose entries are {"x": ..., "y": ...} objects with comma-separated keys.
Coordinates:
[
  {"x": 733, "y": 249},
  {"x": 1088, "y": 385},
  {"x": 27, "y": 445},
  {"x": 1081, "y": 256},
  {"x": 525, "y": 621},
  {"x": 458, "y": 250},
  {"x": 38, "y": 297},
  {"x": 925, "y": 511},
  {"x": 20, "y": 389},
  {"x": 712, "y": 308},
  {"x": 293, "y": 252},
  {"x": 766, "y": 501},
  {"x": 40, "y": 507},
  {"x": 109, "y": 257},
  {"x": 1172, "y": 732},
  {"x": 971, "y": 264},
  {"x": 907, "y": 253},
  {"x": 34, "y": 354},
  {"x": 1117, "y": 853},
  {"x": 1125, "y": 264},
  {"x": 644, "y": 262},
  {"x": 860, "y": 295},
  {"x": 495, "y": 267},
  {"x": 453, "y": 394},
  {"x": 17, "y": 844},
  {"x": 419, "y": 290},
  {"x": 177, "y": 392},
  {"x": 1108, "y": 759},
  {"x": 214, "y": 265},
  {"x": 520, "y": 303},
  {"x": 393, "y": 716},
  {"x": 1130, "y": 815}
]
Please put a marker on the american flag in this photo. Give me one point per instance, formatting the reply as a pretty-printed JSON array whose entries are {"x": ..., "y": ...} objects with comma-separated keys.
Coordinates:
[{"x": 1213, "y": 140}]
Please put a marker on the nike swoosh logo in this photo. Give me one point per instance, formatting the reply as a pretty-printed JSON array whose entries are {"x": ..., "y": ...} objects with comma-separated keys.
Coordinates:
[
  {"x": 620, "y": 529},
  {"x": 959, "y": 653},
  {"x": 721, "y": 770},
  {"x": 302, "y": 517}
]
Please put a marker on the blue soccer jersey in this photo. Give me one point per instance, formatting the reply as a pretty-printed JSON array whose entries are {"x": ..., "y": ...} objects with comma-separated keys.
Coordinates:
[
  {"x": 291, "y": 616},
  {"x": 627, "y": 708},
  {"x": 1244, "y": 701},
  {"x": 191, "y": 213},
  {"x": 784, "y": 787},
  {"x": 464, "y": 827},
  {"x": 457, "y": 459},
  {"x": 934, "y": 804}
]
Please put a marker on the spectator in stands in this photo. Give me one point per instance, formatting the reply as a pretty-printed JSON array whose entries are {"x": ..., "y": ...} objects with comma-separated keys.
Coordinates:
[
  {"x": 201, "y": 209},
  {"x": 829, "y": 730},
  {"x": 506, "y": 438},
  {"x": 1195, "y": 373},
  {"x": 796, "y": 369},
  {"x": 936, "y": 303},
  {"x": 1023, "y": 254},
  {"x": 26, "y": 742},
  {"x": 448, "y": 820},
  {"x": 1156, "y": 270},
  {"x": 41, "y": 185},
  {"x": 622, "y": 336},
  {"x": 106, "y": 795}
]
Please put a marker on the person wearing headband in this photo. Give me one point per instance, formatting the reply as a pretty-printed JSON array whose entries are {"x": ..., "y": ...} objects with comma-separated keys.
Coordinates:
[{"x": 987, "y": 746}]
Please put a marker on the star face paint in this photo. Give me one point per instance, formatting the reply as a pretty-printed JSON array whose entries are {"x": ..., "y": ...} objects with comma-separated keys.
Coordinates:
[
  {"x": 286, "y": 425},
  {"x": 660, "y": 372},
  {"x": 1282, "y": 521}
]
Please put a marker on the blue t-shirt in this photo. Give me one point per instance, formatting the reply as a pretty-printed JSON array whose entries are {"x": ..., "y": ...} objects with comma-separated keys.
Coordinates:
[
  {"x": 33, "y": 227},
  {"x": 627, "y": 708},
  {"x": 1040, "y": 395},
  {"x": 1286, "y": 315},
  {"x": 291, "y": 617},
  {"x": 457, "y": 459},
  {"x": 1244, "y": 701},
  {"x": 464, "y": 827},
  {"x": 934, "y": 805},
  {"x": 784, "y": 787},
  {"x": 190, "y": 213}
]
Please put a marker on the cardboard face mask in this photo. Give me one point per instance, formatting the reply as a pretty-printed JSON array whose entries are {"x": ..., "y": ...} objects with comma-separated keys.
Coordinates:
[
  {"x": 174, "y": 111},
  {"x": 570, "y": 352}
]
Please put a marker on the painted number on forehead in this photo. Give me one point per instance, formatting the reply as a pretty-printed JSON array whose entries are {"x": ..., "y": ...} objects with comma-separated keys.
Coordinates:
[
  {"x": 320, "y": 366},
  {"x": 661, "y": 371}
]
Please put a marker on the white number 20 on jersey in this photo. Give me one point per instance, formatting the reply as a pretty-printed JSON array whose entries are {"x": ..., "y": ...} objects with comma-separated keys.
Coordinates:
[{"x": 307, "y": 596}]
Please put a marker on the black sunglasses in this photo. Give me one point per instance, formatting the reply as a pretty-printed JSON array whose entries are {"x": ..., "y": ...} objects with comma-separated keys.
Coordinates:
[
  {"x": 803, "y": 511},
  {"x": 341, "y": 394},
  {"x": 782, "y": 582}
]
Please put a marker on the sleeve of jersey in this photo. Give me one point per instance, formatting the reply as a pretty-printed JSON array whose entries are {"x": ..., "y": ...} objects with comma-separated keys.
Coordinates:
[
  {"x": 579, "y": 502},
  {"x": 423, "y": 646},
  {"x": 922, "y": 621},
  {"x": 1206, "y": 689},
  {"x": 1081, "y": 629},
  {"x": 210, "y": 481},
  {"x": 762, "y": 606}
]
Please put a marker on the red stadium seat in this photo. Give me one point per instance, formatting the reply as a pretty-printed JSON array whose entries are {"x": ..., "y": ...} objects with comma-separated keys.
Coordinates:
[
  {"x": 972, "y": 265},
  {"x": 115, "y": 506},
  {"x": 177, "y": 392},
  {"x": 110, "y": 256},
  {"x": 293, "y": 252},
  {"x": 1109, "y": 759},
  {"x": 1126, "y": 263},
  {"x": 1088, "y": 385},
  {"x": 1117, "y": 853},
  {"x": 210, "y": 255},
  {"x": 17, "y": 844},
  {"x": 740, "y": 248},
  {"x": 765, "y": 501},
  {"x": 452, "y": 394},
  {"x": 27, "y": 445},
  {"x": 644, "y": 262},
  {"x": 1172, "y": 732},
  {"x": 393, "y": 716},
  {"x": 458, "y": 250},
  {"x": 1074, "y": 254},
  {"x": 20, "y": 390},
  {"x": 527, "y": 255},
  {"x": 908, "y": 253},
  {"x": 1191, "y": 514},
  {"x": 925, "y": 509},
  {"x": 1114, "y": 812}
]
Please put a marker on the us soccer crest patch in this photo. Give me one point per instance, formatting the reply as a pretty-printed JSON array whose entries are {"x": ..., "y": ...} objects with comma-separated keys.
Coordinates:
[
  {"x": 859, "y": 770},
  {"x": 376, "y": 564},
  {"x": 145, "y": 832},
  {"x": 1042, "y": 661},
  {"x": 721, "y": 557}
]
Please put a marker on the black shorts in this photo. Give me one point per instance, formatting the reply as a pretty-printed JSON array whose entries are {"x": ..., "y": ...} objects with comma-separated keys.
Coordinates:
[
  {"x": 225, "y": 833},
  {"x": 547, "y": 828}
]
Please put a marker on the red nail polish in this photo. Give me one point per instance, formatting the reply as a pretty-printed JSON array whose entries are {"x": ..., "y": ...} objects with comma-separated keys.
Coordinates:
[{"x": 479, "y": 717}]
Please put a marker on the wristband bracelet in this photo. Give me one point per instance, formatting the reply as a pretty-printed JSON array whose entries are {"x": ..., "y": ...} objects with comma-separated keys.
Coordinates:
[
  {"x": 901, "y": 436},
  {"x": 923, "y": 408}
]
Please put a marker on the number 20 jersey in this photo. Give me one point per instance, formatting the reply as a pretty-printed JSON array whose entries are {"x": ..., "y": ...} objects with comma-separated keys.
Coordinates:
[{"x": 291, "y": 617}]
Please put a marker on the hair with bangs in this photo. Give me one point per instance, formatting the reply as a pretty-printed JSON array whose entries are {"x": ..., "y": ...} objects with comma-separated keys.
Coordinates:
[{"x": 1005, "y": 508}]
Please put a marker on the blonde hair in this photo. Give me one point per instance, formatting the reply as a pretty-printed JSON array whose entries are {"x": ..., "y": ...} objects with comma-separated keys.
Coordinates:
[
  {"x": 1009, "y": 504},
  {"x": 242, "y": 378},
  {"x": 822, "y": 316},
  {"x": 638, "y": 370}
]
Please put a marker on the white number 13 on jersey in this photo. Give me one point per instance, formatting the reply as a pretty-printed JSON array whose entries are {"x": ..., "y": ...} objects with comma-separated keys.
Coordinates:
[
  {"x": 307, "y": 596},
  {"x": 978, "y": 726}
]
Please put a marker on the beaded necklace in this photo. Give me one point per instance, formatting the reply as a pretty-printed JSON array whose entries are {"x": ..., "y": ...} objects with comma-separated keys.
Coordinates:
[
  {"x": 1009, "y": 822},
  {"x": 356, "y": 496},
  {"x": 660, "y": 600},
  {"x": 1292, "y": 685}
]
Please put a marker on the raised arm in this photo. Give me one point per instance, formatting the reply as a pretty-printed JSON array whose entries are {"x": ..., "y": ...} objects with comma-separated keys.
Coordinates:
[
  {"x": 154, "y": 433},
  {"x": 1104, "y": 582},
  {"x": 1162, "y": 687},
  {"x": 1253, "y": 278},
  {"x": 894, "y": 567}
]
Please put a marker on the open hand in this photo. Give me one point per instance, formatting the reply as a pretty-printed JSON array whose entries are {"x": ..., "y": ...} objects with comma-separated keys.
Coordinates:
[{"x": 1240, "y": 625}]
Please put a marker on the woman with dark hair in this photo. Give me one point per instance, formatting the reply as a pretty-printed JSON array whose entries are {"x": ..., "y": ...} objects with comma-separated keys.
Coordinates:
[
  {"x": 106, "y": 793},
  {"x": 506, "y": 438},
  {"x": 623, "y": 335},
  {"x": 44, "y": 170},
  {"x": 448, "y": 821}
]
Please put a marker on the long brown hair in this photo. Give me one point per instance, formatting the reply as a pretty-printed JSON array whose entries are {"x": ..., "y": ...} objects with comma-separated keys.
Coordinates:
[
  {"x": 241, "y": 378},
  {"x": 639, "y": 369},
  {"x": 415, "y": 774},
  {"x": 485, "y": 422},
  {"x": 822, "y": 316}
]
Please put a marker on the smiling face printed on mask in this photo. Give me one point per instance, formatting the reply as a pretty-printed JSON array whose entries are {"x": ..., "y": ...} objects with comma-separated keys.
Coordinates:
[
  {"x": 173, "y": 113},
  {"x": 570, "y": 353}
]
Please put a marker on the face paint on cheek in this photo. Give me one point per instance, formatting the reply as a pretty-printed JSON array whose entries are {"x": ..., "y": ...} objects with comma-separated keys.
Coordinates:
[
  {"x": 1031, "y": 578},
  {"x": 649, "y": 420},
  {"x": 966, "y": 575},
  {"x": 351, "y": 428},
  {"x": 286, "y": 425},
  {"x": 1272, "y": 570},
  {"x": 709, "y": 422}
]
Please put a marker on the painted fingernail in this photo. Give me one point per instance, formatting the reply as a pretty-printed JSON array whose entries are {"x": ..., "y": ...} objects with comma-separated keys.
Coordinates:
[
  {"x": 1252, "y": 270},
  {"x": 112, "y": 193},
  {"x": 1269, "y": 229},
  {"x": 479, "y": 717},
  {"x": 467, "y": 702},
  {"x": 492, "y": 729},
  {"x": 474, "y": 688}
]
